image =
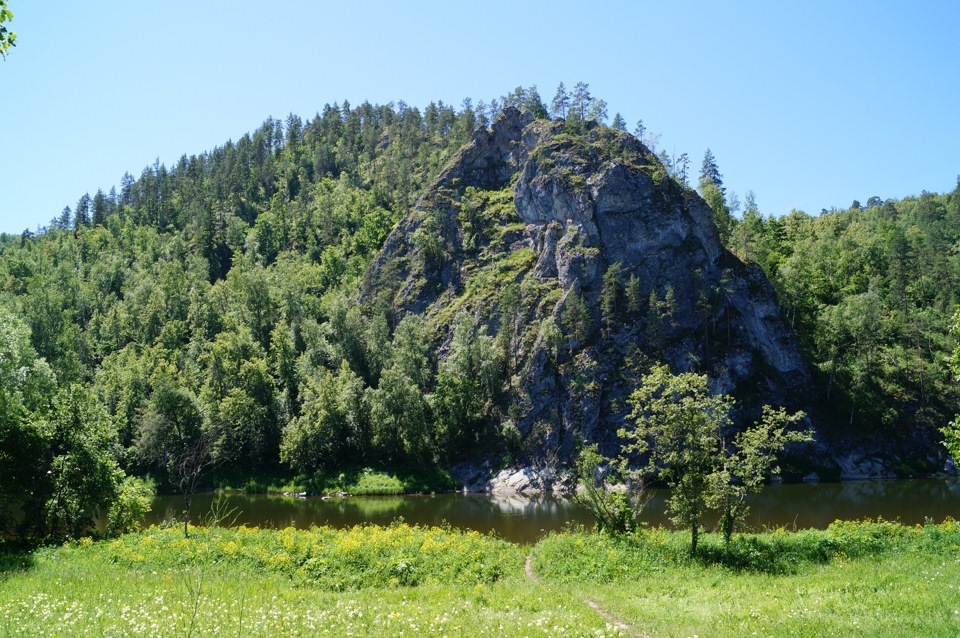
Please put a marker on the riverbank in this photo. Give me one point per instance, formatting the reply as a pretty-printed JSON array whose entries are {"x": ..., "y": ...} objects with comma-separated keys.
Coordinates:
[
  {"x": 874, "y": 578},
  {"x": 354, "y": 482},
  {"x": 524, "y": 519}
]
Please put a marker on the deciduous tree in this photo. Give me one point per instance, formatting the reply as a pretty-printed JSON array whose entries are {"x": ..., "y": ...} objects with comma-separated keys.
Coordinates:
[
  {"x": 682, "y": 430},
  {"x": 8, "y": 39}
]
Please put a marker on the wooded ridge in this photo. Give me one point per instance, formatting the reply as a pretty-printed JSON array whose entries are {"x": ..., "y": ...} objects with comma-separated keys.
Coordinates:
[{"x": 382, "y": 286}]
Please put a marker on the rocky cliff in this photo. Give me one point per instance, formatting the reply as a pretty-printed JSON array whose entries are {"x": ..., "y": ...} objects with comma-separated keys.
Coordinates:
[{"x": 572, "y": 244}]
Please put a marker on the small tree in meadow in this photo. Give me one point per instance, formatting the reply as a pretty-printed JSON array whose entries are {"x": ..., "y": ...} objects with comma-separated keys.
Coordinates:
[
  {"x": 612, "y": 510},
  {"x": 682, "y": 429}
]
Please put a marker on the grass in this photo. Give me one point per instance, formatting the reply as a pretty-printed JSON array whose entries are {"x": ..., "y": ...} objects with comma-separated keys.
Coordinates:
[
  {"x": 393, "y": 581},
  {"x": 865, "y": 578},
  {"x": 869, "y": 578},
  {"x": 356, "y": 482}
]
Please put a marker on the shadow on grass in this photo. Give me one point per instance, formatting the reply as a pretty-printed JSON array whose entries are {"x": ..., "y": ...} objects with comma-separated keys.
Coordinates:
[
  {"x": 766, "y": 555},
  {"x": 14, "y": 561}
]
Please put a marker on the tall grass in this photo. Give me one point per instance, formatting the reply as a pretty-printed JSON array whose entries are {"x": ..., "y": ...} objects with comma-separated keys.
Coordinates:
[
  {"x": 865, "y": 578},
  {"x": 366, "y": 556}
]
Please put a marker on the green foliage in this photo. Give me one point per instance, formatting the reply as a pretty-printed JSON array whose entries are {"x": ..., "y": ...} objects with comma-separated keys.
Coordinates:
[
  {"x": 611, "y": 294},
  {"x": 59, "y": 449},
  {"x": 131, "y": 506},
  {"x": 371, "y": 483},
  {"x": 401, "y": 417},
  {"x": 678, "y": 425},
  {"x": 576, "y": 319},
  {"x": 8, "y": 39},
  {"x": 26, "y": 384},
  {"x": 951, "y": 431},
  {"x": 660, "y": 317},
  {"x": 329, "y": 559},
  {"x": 612, "y": 510},
  {"x": 870, "y": 294},
  {"x": 468, "y": 384},
  {"x": 83, "y": 479},
  {"x": 715, "y": 199},
  {"x": 748, "y": 461},
  {"x": 332, "y": 427},
  {"x": 951, "y": 438},
  {"x": 681, "y": 429}
]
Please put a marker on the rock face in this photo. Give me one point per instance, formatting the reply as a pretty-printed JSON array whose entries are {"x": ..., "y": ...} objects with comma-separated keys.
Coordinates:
[{"x": 586, "y": 202}]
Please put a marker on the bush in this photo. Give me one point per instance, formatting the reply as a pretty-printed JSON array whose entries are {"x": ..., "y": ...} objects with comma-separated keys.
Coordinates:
[{"x": 131, "y": 507}]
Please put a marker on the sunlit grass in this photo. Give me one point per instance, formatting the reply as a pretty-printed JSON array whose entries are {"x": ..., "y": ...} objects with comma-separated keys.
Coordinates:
[
  {"x": 393, "y": 581},
  {"x": 87, "y": 600},
  {"x": 874, "y": 579}
]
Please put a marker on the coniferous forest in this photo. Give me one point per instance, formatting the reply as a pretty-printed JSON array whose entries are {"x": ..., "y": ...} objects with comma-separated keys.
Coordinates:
[{"x": 216, "y": 315}]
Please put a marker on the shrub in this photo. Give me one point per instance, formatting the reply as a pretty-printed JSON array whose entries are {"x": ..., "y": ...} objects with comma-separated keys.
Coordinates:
[{"x": 131, "y": 506}]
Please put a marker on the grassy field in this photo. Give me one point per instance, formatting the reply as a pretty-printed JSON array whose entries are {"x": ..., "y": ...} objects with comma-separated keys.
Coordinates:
[
  {"x": 874, "y": 578},
  {"x": 870, "y": 578}
]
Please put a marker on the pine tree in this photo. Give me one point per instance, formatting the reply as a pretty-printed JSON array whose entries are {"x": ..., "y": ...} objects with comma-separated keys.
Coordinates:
[
  {"x": 100, "y": 207},
  {"x": 81, "y": 216},
  {"x": 534, "y": 104},
  {"x": 639, "y": 130},
  {"x": 610, "y": 294},
  {"x": 63, "y": 221},
  {"x": 683, "y": 165},
  {"x": 561, "y": 102},
  {"x": 597, "y": 111},
  {"x": 712, "y": 190},
  {"x": 634, "y": 298},
  {"x": 577, "y": 319},
  {"x": 581, "y": 100}
]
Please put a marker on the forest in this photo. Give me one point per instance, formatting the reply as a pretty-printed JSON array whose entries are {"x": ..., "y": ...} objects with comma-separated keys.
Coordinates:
[{"x": 206, "y": 317}]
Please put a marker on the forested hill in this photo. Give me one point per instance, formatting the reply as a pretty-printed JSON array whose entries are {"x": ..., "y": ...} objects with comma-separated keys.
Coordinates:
[
  {"x": 871, "y": 292},
  {"x": 251, "y": 294}
]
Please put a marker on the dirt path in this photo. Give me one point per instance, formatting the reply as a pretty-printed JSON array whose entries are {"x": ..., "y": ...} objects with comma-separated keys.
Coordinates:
[
  {"x": 610, "y": 618},
  {"x": 528, "y": 569}
]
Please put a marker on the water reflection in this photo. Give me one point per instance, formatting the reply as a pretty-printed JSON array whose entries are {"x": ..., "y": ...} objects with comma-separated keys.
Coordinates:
[{"x": 525, "y": 519}]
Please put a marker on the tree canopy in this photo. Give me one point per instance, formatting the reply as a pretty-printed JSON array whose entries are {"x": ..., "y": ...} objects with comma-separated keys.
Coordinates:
[
  {"x": 684, "y": 433},
  {"x": 8, "y": 39},
  {"x": 218, "y": 297}
]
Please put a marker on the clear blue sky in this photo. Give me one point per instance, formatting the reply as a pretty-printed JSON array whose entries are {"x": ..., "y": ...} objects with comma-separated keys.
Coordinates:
[{"x": 809, "y": 104}]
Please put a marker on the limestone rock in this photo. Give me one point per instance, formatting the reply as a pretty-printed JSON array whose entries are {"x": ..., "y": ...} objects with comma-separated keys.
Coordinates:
[{"x": 586, "y": 199}]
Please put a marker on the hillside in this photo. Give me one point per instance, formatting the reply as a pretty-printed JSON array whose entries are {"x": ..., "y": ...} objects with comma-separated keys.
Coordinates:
[
  {"x": 385, "y": 287},
  {"x": 570, "y": 244}
]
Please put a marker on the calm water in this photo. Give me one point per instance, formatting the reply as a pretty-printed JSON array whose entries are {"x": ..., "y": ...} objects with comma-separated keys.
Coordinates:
[{"x": 524, "y": 520}]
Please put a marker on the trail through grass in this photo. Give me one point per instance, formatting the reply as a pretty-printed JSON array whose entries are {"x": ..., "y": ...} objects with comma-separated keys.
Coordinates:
[
  {"x": 873, "y": 579},
  {"x": 367, "y": 581}
]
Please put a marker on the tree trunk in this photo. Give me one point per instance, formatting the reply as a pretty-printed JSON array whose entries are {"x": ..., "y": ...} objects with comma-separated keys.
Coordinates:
[{"x": 187, "y": 502}]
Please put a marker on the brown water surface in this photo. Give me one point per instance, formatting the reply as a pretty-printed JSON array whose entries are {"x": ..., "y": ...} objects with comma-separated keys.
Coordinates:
[{"x": 525, "y": 519}]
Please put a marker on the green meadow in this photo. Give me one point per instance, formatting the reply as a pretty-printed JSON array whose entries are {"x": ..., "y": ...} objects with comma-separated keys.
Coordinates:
[{"x": 873, "y": 578}]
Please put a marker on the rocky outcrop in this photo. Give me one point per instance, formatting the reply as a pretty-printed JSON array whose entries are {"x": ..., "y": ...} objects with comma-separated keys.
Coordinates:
[
  {"x": 586, "y": 200},
  {"x": 514, "y": 480}
]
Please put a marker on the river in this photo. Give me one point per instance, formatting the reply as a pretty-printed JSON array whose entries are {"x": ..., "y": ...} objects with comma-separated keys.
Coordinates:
[{"x": 525, "y": 519}]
